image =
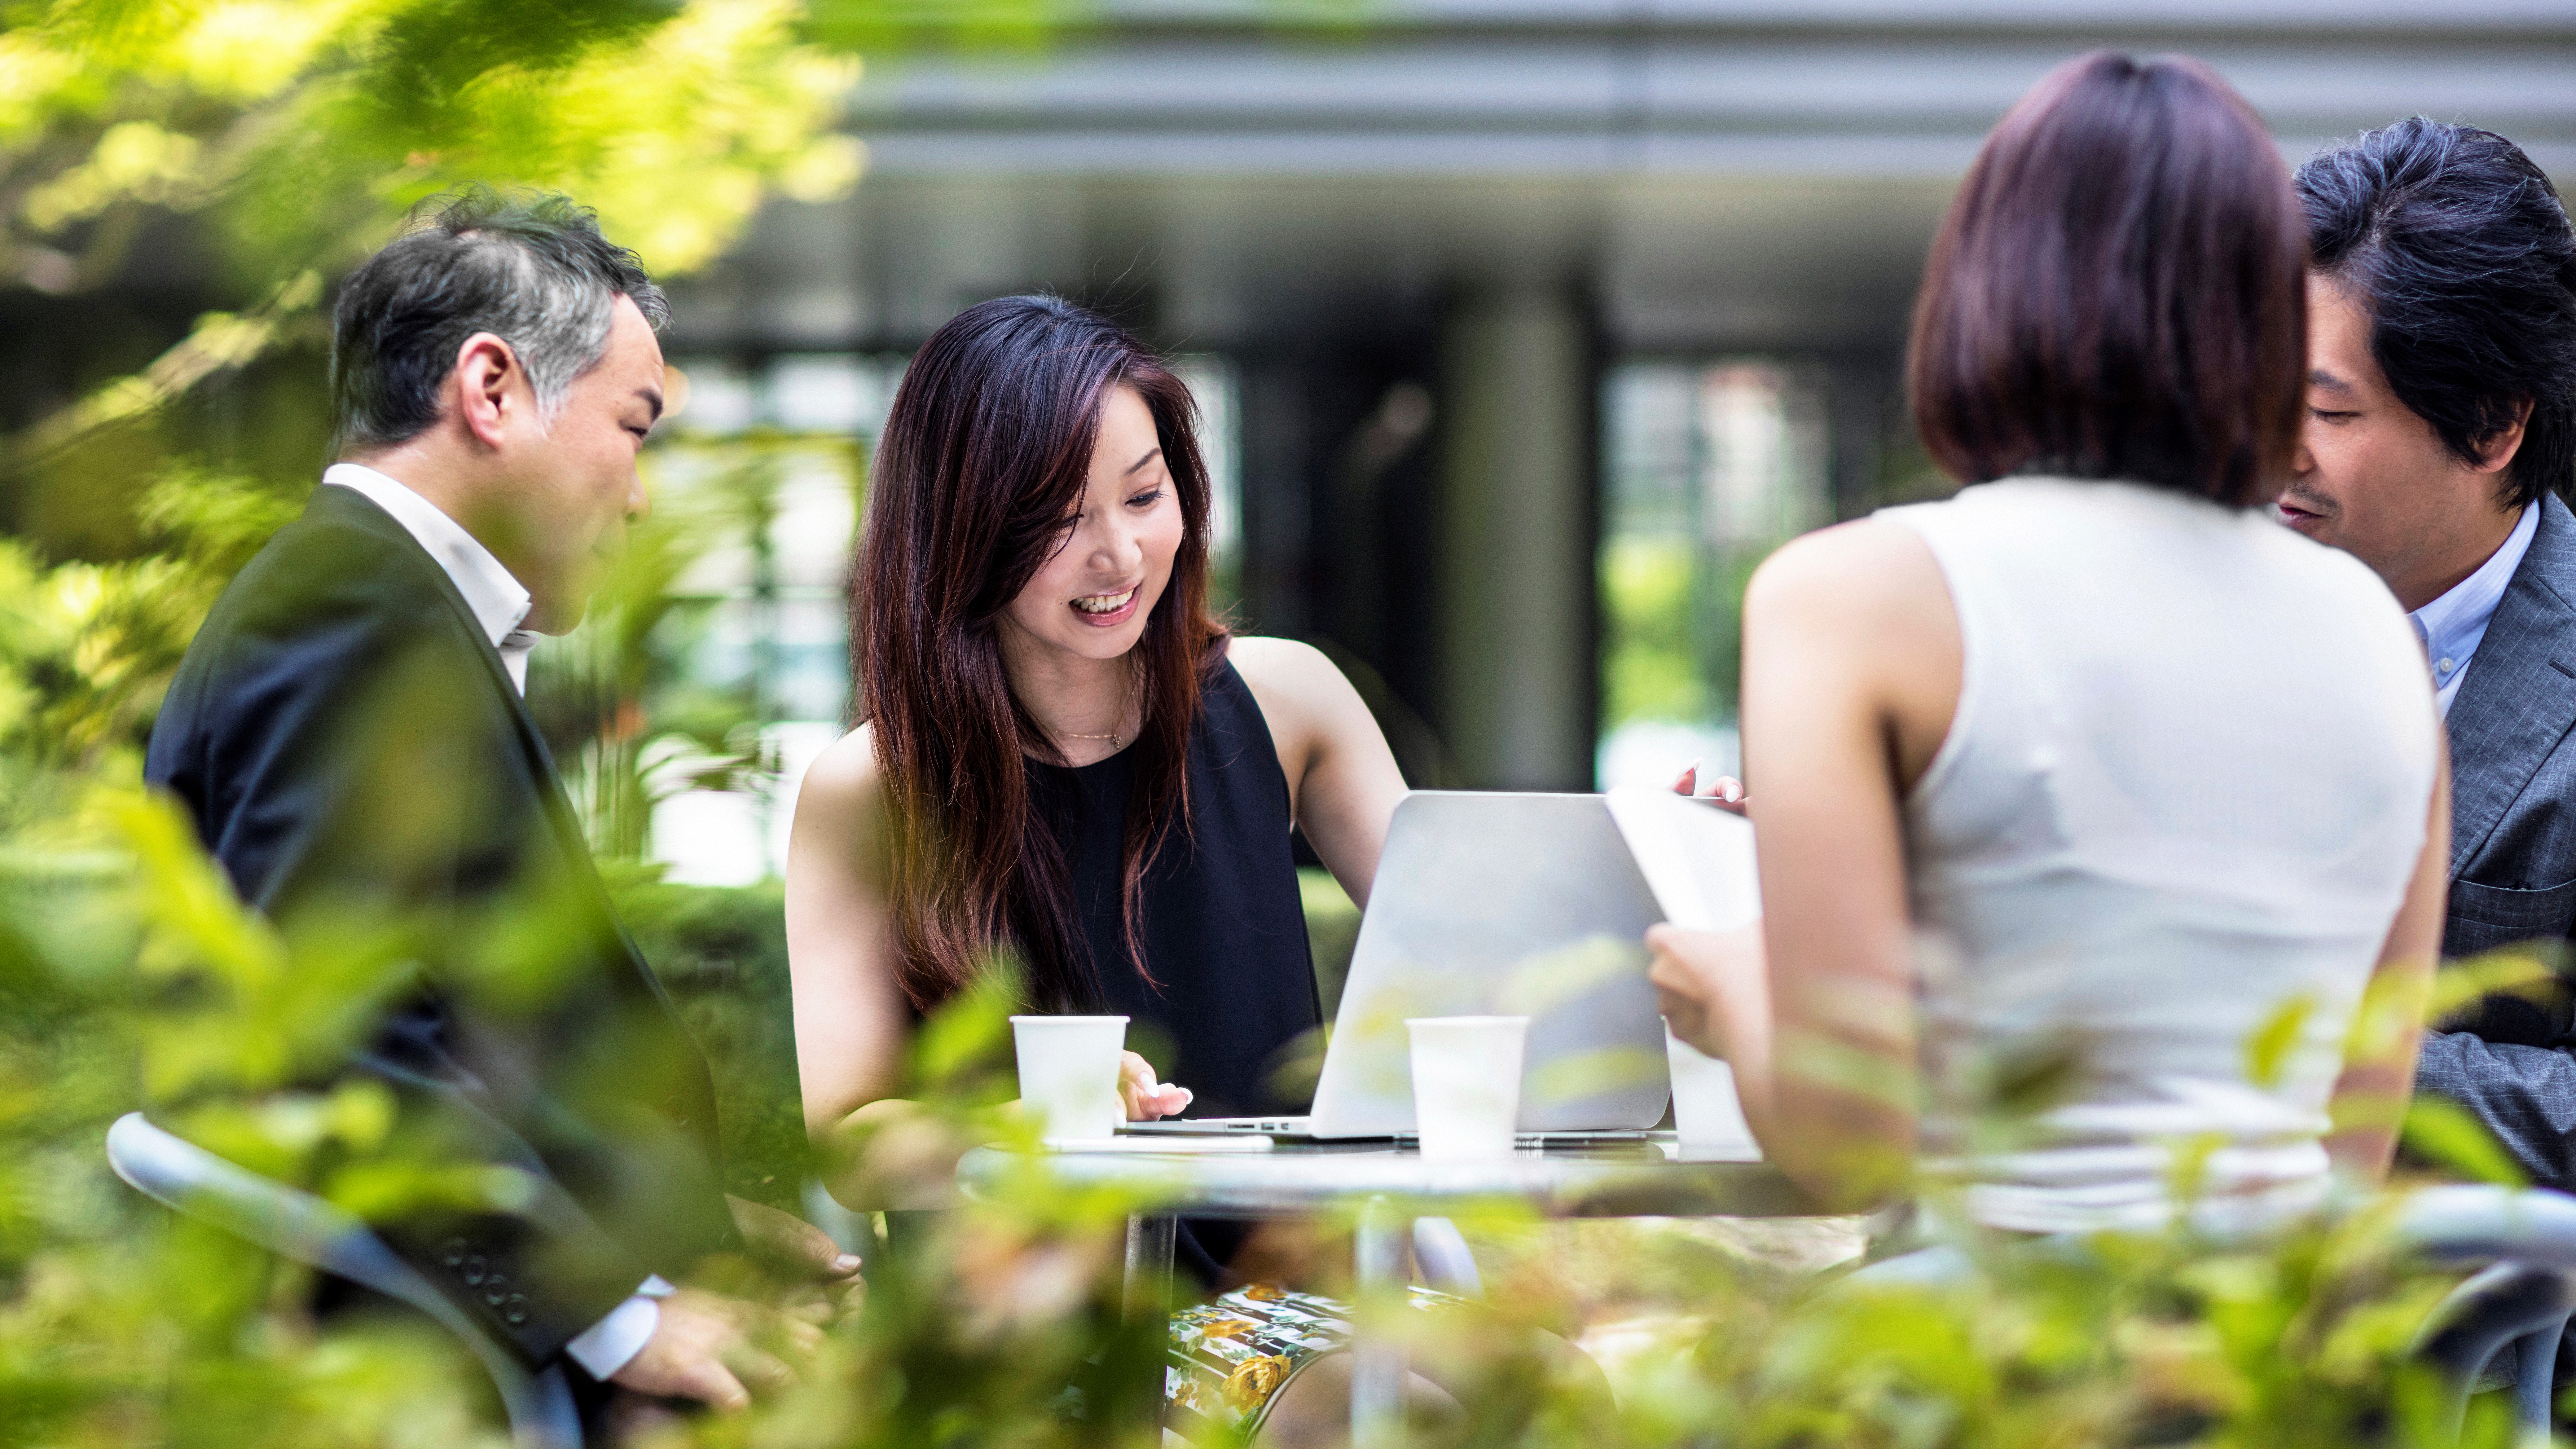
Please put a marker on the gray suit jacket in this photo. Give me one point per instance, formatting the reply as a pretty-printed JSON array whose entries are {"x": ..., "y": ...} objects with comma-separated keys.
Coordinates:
[{"x": 2509, "y": 1060}]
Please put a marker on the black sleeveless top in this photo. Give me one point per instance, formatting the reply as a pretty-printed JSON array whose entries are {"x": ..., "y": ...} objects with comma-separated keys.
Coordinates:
[{"x": 1222, "y": 930}]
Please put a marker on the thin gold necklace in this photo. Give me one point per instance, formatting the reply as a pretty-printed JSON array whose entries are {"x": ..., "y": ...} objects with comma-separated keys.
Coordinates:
[{"x": 1117, "y": 741}]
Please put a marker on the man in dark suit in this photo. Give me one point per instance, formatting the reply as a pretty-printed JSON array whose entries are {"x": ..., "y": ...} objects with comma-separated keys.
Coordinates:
[
  {"x": 348, "y": 734},
  {"x": 2441, "y": 440}
]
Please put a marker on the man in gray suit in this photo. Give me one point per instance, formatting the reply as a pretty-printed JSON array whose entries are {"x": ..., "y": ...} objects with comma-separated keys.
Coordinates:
[{"x": 2440, "y": 439}]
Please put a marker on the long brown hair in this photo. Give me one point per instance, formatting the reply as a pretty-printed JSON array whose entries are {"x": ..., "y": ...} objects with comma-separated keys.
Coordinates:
[
  {"x": 2119, "y": 290},
  {"x": 985, "y": 454}
]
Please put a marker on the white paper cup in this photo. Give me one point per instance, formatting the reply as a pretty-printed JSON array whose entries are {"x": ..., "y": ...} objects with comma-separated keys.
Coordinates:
[
  {"x": 1706, "y": 1112},
  {"x": 1467, "y": 1084},
  {"x": 1069, "y": 1073}
]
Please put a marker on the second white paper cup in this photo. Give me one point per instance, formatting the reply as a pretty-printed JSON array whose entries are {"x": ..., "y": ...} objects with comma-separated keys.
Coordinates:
[
  {"x": 1069, "y": 1073},
  {"x": 1467, "y": 1083}
]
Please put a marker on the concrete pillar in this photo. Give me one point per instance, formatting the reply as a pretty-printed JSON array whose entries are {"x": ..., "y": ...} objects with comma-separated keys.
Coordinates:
[{"x": 1516, "y": 668}]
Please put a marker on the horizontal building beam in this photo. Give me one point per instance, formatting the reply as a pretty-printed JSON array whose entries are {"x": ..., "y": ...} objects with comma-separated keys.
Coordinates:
[{"x": 1385, "y": 102}]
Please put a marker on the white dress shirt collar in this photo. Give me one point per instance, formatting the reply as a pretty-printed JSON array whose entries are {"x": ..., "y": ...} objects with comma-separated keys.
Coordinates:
[
  {"x": 2451, "y": 626},
  {"x": 499, "y": 603}
]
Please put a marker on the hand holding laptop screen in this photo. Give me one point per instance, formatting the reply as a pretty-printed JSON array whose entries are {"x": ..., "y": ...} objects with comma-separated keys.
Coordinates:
[
  {"x": 1700, "y": 864},
  {"x": 1709, "y": 949},
  {"x": 1696, "y": 856}
]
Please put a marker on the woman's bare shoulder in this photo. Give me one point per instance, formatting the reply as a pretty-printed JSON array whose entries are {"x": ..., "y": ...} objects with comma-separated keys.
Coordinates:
[
  {"x": 843, "y": 782},
  {"x": 1867, "y": 568},
  {"x": 1285, "y": 663},
  {"x": 1293, "y": 683}
]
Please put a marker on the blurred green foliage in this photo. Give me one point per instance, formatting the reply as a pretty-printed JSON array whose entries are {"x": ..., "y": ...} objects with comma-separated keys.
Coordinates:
[
  {"x": 229, "y": 157},
  {"x": 722, "y": 954},
  {"x": 1652, "y": 667},
  {"x": 125, "y": 959},
  {"x": 299, "y": 129}
]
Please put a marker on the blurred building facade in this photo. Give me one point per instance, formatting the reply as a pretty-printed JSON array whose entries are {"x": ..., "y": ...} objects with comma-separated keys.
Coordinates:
[{"x": 1525, "y": 326}]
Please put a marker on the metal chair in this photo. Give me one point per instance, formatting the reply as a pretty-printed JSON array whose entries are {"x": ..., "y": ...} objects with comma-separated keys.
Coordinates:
[
  {"x": 1440, "y": 1254},
  {"x": 300, "y": 1226},
  {"x": 2517, "y": 1304}
]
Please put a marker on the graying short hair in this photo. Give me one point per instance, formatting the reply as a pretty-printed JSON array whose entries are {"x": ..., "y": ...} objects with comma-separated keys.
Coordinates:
[{"x": 529, "y": 268}]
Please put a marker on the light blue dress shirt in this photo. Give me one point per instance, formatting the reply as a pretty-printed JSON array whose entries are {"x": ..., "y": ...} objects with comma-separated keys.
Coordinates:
[{"x": 2451, "y": 626}]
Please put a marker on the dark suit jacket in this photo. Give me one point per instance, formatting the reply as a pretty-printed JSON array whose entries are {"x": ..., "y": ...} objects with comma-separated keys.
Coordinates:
[
  {"x": 352, "y": 751},
  {"x": 2512, "y": 1060}
]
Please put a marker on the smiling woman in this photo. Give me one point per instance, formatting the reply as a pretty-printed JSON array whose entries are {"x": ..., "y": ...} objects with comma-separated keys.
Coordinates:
[
  {"x": 1073, "y": 626},
  {"x": 1062, "y": 759},
  {"x": 1022, "y": 476}
]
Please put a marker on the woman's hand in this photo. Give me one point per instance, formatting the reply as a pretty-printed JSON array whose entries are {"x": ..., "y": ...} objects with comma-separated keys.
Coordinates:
[
  {"x": 1711, "y": 985},
  {"x": 1726, "y": 790},
  {"x": 1144, "y": 1097}
]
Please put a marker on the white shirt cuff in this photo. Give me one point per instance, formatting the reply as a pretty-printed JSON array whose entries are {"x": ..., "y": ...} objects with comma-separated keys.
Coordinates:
[{"x": 610, "y": 1344}]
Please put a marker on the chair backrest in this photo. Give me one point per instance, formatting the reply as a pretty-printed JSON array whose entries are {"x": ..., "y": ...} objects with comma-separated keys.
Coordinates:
[
  {"x": 2466, "y": 1223},
  {"x": 183, "y": 1176},
  {"x": 2515, "y": 1309},
  {"x": 293, "y": 1224},
  {"x": 288, "y": 1222}
]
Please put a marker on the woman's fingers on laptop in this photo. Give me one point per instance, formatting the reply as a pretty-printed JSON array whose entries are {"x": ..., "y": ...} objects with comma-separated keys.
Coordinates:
[
  {"x": 1726, "y": 790},
  {"x": 1135, "y": 1085},
  {"x": 1145, "y": 1095}
]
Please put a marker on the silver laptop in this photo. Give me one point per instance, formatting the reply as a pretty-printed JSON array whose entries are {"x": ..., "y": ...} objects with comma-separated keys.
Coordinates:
[{"x": 1506, "y": 904}]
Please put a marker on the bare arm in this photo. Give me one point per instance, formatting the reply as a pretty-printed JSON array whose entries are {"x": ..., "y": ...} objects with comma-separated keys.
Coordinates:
[
  {"x": 1851, "y": 675},
  {"x": 2369, "y": 1103},
  {"x": 851, "y": 1024},
  {"x": 1342, "y": 781}
]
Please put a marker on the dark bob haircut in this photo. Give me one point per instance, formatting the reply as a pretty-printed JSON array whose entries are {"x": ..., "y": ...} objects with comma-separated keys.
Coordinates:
[
  {"x": 532, "y": 269},
  {"x": 2118, "y": 290},
  {"x": 2460, "y": 250}
]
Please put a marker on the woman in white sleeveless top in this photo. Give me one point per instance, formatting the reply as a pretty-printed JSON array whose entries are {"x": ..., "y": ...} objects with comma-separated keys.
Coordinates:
[{"x": 2091, "y": 803}]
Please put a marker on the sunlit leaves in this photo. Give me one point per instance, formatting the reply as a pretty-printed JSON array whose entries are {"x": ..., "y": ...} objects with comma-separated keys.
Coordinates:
[
  {"x": 672, "y": 123},
  {"x": 86, "y": 649},
  {"x": 133, "y": 160},
  {"x": 302, "y": 129},
  {"x": 2267, "y": 1052},
  {"x": 240, "y": 1008},
  {"x": 2445, "y": 1132}
]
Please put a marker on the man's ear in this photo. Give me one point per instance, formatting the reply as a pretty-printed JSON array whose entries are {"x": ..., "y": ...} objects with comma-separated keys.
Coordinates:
[
  {"x": 488, "y": 382},
  {"x": 2496, "y": 450}
]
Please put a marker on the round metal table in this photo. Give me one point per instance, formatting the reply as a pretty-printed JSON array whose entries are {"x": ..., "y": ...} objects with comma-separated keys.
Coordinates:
[{"x": 1389, "y": 1186}]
